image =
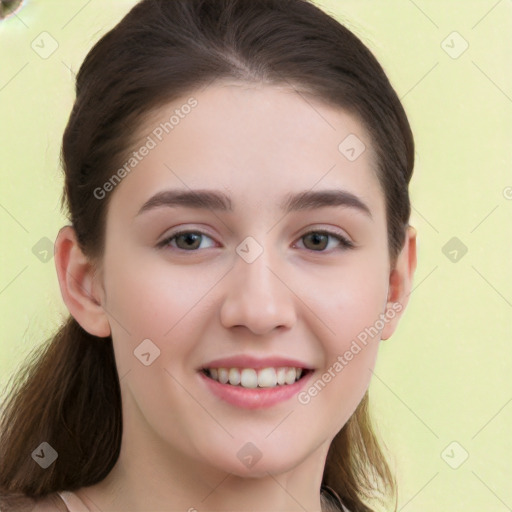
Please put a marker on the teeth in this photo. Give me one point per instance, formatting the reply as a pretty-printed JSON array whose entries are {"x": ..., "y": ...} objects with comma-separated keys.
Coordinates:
[
  {"x": 248, "y": 377},
  {"x": 223, "y": 377},
  {"x": 267, "y": 378},
  {"x": 251, "y": 378},
  {"x": 281, "y": 376},
  {"x": 291, "y": 373},
  {"x": 234, "y": 377}
]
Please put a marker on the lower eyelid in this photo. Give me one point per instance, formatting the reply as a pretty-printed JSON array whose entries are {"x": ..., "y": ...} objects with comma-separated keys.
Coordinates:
[
  {"x": 344, "y": 242},
  {"x": 167, "y": 240}
]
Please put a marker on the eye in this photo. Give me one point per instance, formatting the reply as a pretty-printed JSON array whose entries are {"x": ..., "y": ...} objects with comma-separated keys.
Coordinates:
[
  {"x": 318, "y": 240},
  {"x": 191, "y": 240}
]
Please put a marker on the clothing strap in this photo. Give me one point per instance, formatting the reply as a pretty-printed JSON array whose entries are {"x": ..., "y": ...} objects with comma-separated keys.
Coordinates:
[{"x": 73, "y": 502}]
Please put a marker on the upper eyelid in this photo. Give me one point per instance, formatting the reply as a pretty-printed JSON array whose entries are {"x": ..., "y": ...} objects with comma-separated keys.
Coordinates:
[{"x": 328, "y": 231}]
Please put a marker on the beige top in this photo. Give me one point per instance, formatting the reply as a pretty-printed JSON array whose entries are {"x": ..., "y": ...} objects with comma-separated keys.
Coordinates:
[{"x": 64, "y": 501}]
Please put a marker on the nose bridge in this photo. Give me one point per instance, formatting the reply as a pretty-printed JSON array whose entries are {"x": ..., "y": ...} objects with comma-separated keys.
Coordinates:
[{"x": 257, "y": 296}]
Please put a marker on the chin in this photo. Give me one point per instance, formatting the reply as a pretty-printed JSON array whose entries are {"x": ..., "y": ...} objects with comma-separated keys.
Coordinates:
[{"x": 249, "y": 462}]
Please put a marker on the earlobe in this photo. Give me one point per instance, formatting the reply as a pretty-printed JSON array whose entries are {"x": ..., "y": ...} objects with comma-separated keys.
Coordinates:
[
  {"x": 400, "y": 283},
  {"x": 77, "y": 283}
]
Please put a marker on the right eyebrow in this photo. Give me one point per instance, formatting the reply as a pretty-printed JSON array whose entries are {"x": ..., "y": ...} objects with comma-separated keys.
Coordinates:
[{"x": 219, "y": 201}]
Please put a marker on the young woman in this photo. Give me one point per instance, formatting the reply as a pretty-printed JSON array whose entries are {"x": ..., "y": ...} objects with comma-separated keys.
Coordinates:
[{"x": 236, "y": 176}]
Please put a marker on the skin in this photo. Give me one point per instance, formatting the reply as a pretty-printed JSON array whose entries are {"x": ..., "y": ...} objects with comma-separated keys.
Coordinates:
[{"x": 256, "y": 143}]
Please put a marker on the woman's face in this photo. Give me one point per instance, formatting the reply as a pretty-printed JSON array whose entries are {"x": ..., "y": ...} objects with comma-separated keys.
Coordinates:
[{"x": 259, "y": 281}]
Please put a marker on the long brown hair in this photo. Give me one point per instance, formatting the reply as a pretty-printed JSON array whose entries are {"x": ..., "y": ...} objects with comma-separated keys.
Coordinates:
[{"x": 68, "y": 392}]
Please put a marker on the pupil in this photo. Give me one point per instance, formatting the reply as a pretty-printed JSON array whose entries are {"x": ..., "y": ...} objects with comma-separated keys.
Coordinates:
[
  {"x": 317, "y": 238},
  {"x": 190, "y": 237}
]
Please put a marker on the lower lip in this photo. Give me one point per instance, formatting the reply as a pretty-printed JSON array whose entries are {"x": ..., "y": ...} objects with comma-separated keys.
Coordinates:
[{"x": 254, "y": 398}]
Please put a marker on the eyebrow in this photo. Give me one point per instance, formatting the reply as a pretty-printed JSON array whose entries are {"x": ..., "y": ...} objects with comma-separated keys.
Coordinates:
[{"x": 218, "y": 201}]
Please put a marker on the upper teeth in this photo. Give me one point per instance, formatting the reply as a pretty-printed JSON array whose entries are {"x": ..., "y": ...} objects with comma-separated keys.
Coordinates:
[{"x": 251, "y": 378}]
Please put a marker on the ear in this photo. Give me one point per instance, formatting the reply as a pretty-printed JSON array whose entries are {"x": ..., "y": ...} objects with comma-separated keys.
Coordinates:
[
  {"x": 400, "y": 283},
  {"x": 79, "y": 284}
]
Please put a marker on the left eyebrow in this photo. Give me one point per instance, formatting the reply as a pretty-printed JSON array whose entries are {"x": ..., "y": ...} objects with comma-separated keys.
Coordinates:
[
  {"x": 218, "y": 201},
  {"x": 309, "y": 200}
]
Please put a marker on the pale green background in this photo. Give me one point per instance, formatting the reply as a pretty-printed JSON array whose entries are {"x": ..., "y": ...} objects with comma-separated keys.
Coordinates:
[{"x": 445, "y": 375}]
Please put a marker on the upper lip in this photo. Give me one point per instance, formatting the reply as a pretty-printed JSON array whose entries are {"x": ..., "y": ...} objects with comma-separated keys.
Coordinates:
[{"x": 245, "y": 361}]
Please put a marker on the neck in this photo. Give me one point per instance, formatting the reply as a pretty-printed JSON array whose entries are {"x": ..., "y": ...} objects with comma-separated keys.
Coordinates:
[
  {"x": 128, "y": 488},
  {"x": 151, "y": 475}
]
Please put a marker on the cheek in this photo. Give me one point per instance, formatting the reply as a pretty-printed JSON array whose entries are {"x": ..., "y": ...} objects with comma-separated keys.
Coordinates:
[
  {"x": 350, "y": 305},
  {"x": 350, "y": 353},
  {"x": 348, "y": 301},
  {"x": 152, "y": 294},
  {"x": 156, "y": 301}
]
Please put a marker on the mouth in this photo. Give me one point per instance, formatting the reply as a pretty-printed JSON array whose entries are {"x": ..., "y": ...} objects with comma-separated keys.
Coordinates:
[
  {"x": 255, "y": 388},
  {"x": 254, "y": 378},
  {"x": 249, "y": 381}
]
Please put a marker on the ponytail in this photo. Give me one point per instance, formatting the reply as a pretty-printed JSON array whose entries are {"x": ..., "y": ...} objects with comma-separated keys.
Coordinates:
[{"x": 67, "y": 395}]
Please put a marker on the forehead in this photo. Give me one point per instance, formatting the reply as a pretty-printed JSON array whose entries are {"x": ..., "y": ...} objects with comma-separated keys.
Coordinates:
[{"x": 253, "y": 141}]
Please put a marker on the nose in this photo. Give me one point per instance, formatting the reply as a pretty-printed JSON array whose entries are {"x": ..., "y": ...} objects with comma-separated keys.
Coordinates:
[{"x": 258, "y": 297}]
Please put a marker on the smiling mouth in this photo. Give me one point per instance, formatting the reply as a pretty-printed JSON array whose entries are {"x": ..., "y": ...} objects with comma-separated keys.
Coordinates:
[{"x": 252, "y": 378}]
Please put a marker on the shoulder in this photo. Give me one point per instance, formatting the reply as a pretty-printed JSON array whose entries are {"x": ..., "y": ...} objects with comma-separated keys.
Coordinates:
[{"x": 22, "y": 503}]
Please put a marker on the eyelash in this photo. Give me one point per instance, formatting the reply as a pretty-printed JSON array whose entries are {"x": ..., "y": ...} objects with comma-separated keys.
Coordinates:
[{"x": 344, "y": 242}]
